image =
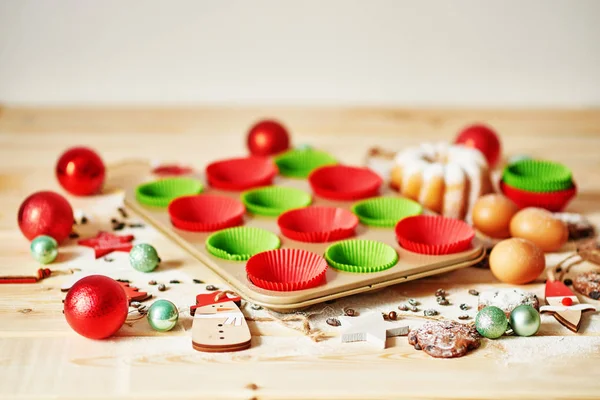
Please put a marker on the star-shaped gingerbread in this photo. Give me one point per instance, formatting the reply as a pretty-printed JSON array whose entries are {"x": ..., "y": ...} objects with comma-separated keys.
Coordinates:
[{"x": 105, "y": 242}]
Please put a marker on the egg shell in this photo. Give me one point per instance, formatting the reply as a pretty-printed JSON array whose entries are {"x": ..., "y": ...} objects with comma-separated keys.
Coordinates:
[
  {"x": 517, "y": 261},
  {"x": 492, "y": 214},
  {"x": 539, "y": 226}
]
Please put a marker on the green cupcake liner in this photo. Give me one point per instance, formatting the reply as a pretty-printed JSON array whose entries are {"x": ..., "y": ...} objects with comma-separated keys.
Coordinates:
[
  {"x": 538, "y": 176},
  {"x": 299, "y": 163},
  {"x": 361, "y": 256},
  {"x": 275, "y": 200},
  {"x": 160, "y": 193},
  {"x": 385, "y": 212},
  {"x": 241, "y": 243}
]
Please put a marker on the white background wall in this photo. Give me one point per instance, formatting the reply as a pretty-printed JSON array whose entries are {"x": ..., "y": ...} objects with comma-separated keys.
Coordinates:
[{"x": 371, "y": 52}]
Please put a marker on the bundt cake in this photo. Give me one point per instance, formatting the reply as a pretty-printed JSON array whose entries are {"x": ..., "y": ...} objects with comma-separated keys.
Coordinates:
[{"x": 444, "y": 178}]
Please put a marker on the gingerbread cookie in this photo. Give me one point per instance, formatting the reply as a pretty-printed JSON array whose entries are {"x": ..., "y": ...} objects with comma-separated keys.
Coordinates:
[
  {"x": 579, "y": 226},
  {"x": 588, "y": 284},
  {"x": 445, "y": 339},
  {"x": 507, "y": 299}
]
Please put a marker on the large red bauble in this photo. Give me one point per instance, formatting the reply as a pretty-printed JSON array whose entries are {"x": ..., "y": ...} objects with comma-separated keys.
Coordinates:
[
  {"x": 96, "y": 307},
  {"x": 483, "y": 139},
  {"x": 80, "y": 171},
  {"x": 268, "y": 137},
  {"x": 45, "y": 213}
]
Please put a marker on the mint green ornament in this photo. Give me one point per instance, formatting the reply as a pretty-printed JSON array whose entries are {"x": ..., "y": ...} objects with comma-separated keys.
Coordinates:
[
  {"x": 491, "y": 322},
  {"x": 525, "y": 320},
  {"x": 143, "y": 257},
  {"x": 163, "y": 315},
  {"x": 44, "y": 249}
]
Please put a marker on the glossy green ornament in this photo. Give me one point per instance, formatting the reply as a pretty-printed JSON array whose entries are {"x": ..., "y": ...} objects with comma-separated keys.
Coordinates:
[
  {"x": 491, "y": 322},
  {"x": 525, "y": 320},
  {"x": 143, "y": 257},
  {"x": 163, "y": 315},
  {"x": 44, "y": 249}
]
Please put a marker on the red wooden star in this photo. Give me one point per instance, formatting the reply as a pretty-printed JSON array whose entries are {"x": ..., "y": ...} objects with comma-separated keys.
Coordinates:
[
  {"x": 133, "y": 293},
  {"x": 171, "y": 170},
  {"x": 105, "y": 242}
]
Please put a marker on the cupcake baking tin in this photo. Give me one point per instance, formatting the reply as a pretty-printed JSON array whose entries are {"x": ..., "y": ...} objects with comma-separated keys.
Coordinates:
[{"x": 283, "y": 295}]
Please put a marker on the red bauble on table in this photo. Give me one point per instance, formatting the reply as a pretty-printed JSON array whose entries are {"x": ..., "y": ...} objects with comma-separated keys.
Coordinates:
[
  {"x": 96, "y": 307},
  {"x": 268, "y": 137},
  {"x": 484, "y": 139},
  {"x": 45, "y": 213},
  {"x": 80, "y": 171}
]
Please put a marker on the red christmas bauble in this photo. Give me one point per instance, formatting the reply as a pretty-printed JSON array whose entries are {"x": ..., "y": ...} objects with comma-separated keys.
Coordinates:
[
  {"x": 96, "y": 307},
  {"x": 45, "y": 213},
  {"x": 268, "y": 137},
  {"x": 80, "y": 171},
  {"x": 484, "y": 139}
]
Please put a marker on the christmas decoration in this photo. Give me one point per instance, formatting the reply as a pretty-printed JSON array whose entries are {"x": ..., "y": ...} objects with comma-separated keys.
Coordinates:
[
  {"x": 525, "y": 320},
  {"x": 267, "y": 137},
  {"x": 144, "y": 258},
  {"x": 163, "y": 315},
  {"x": 46, "y": 213},
  {"x": 484, "y": 139},
  {"x": 96, "y": 307},
  {"x": 44, "y": 249},
  {"x": 491, "y": 322},
  {"x": 105, "y": 242},
  {"x": 80, "y": 171},
  {"x": 370, "y": 328}
]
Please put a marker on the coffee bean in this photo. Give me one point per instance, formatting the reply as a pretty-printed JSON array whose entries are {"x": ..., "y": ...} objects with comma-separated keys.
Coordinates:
[
  {"x": 392, "y": 315},
  {"x": 568, "y": 282},
  {"x": 211, "y": 288},
  {"x": 430, "y": 312},
  {"x": 108, "y": 259},
  {"x": 413, "y": 302},
  {"x": 174, "y": 281},
  {"x": 161, "y": 287},
  {"x": 122, "y": 212},
  {"x": 152, "y": 282},
  {"x": 464, "y": 307},
  {"x": 349, "y": 312},
  {"x": 135, "y": 304},
  {"x": 440, "y": 293},
  {"x": 443, "y": 302},
  {"x": 137, "y": 225},
  {"x": 119, "y": 226},
  {"x": 403, "y": 307},
  {"x": 198, "y": 281},
  {"x": 473, "y": 292},
  {"x": 114, "y": 221},
  {"x": 414, "y": 309},
  {"x": 463, "y": 316},
  {"x": 123, "y": 280},
  {"x": 333, "y": 322}
]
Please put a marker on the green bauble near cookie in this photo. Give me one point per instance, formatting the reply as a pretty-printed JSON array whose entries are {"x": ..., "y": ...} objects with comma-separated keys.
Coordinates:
[
  {"x": 491, "y": 322},
  {"x": 44, "y": 249},
  {"x": 525, "y": 320},
  {"x": 144, "y": 258},
  {"x": 163, "y": 315}
]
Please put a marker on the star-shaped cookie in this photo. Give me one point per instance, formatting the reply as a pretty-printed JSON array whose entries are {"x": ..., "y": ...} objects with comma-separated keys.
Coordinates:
[{"x": 370, "y": 328}]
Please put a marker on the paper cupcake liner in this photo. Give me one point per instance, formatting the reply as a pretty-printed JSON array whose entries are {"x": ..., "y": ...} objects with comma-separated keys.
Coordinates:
[
  {"x": 241, "y": 243},
  {"x": 241, "y": 173},
  {"x": 317, "y": 224},
  {"x": 342, "y": 182},
  {"x": 434, "y": 234},
  {"x": 361, "y": 256},
  {"x": 206, "y": 213},
  {"x": 538, "y": 176},
  {"x": 385, "y": 212},
  {"x": 160, "y": 193},
  {"x": 300, "y": 163},
  {"x": 275, "y": 200},
  {"x": 551, "y": 201},
  {"x": 285, "y": 270}
]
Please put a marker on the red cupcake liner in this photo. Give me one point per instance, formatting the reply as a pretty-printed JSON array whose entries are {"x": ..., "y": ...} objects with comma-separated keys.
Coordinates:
[
  {"x": 284, "y": 270},
  {"x": 343, "y": 182},
  {"x": 317, "y": 224},
  {"x": 241, "y": 173},
  {"x": 206, "y": 213},
  {"x": 434, "y": 234},
  {"x": 551, "y": 201}
]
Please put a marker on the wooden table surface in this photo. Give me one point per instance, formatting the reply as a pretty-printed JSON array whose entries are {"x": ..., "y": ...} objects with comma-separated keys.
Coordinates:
[{"x": 41, "y": 357}]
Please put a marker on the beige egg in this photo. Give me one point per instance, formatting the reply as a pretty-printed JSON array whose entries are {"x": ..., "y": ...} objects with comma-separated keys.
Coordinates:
[
  {"x": 517, "y": 261},
  {"x": 539, "y": 226},
  {"x": 492, "y": 214}
]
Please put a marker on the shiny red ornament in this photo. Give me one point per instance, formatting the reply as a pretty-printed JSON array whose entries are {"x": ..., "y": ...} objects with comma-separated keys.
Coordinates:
[
  {"x": 96, "y": 307},
  {"x": 484, "y": 139},
  {"x": 268, "y": 137},
  {"x": 45, "y": 213},
  {"x": 80, "y": 171}
]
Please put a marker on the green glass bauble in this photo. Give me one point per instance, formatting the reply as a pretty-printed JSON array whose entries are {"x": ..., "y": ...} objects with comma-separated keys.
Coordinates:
[
  {"x": 44, "y": 249},
  {"x": 143, "y": 257},
  {"x": 491, "y": 322},
  {"x": 163, "y": 315},
  {"x": 525, "y": 320}
]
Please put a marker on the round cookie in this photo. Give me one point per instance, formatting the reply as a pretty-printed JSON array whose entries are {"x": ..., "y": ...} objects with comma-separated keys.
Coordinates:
[
  {"x": 445, "y": 339},
  {"x": 588, "y": 284},
  {"x": 507, "y": 299},
  {"x": 579, "y": 226}
]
